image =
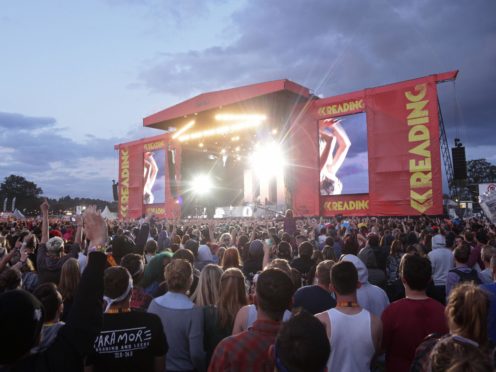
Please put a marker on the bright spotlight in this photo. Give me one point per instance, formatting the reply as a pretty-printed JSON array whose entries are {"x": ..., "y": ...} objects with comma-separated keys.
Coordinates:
[
  {"x": 267, "y": 159},
  {"x": 201, "y": 184}
]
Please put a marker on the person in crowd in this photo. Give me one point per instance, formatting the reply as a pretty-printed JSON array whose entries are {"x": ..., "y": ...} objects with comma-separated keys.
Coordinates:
[
  {"x": 375, "y": 260},
  {"x": 50, "y": 256},
  {"x": 154, "y": 273},
  {"x": 151, "y": 248},
  {"x": 220, "y": 254},
  {"x": 393, "y": 282},
  {"x": 186, "y": 254},
  {"x": 254, "y": 261},
  {"x": 219, "y": 319},
  {"x": 491, "y": 292},
  {"x": 68, "y": 284},
  {"x": 304, "y": 262},
  {"x": 457, "y": 355},
  {"x": 301, "y": 345},
  {"x": 53, "y": 306},
  {"x": 316, "y": 298},
  {"x": 129, "y": 340},
  {"x": 231, "y": 258},
  {"x": 462, "y": 272},
  {"x": 408, "y": 321},
  {"x": 207, "y": 291},
  {"x": 289, "y": 223},
  {"x": 249, "y": 350},
  {"x": 163, "y": 239},
  {"x": 284, "y": 250},
  {"x": 486, "y": 274},
  {"x": 467, "y": 311},
  {"x": 476, "y": 240},
  {"x": 122, "y": 245},
  {"x": 442, "y": 262},
  {"x": 205, "y": 255},
  {"x": 354, "y": 333},
  {"x": 134, "y": 263},
  {"x": 370, "y": 297},
  {"x": 22, "y": 316},
  {"x": 181, "y": 320},
  {"x": 350, "y": 245},
  {"x": 10, "y": 279}
]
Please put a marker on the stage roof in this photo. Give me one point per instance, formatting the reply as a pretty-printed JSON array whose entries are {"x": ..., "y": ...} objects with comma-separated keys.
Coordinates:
[{"x": 217, "y": 99}]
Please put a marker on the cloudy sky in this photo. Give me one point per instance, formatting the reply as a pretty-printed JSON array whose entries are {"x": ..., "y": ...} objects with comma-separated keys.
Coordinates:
[{"x": 78, "y": 77}]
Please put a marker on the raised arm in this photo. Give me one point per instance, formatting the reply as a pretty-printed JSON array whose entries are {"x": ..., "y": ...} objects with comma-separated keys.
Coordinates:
[
  {"x": 44, "y": 222},
  {"x": 79, "y": 230}
]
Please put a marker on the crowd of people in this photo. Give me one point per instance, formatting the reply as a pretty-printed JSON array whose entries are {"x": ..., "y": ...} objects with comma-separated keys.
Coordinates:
[{"x": 285, "y": 294}]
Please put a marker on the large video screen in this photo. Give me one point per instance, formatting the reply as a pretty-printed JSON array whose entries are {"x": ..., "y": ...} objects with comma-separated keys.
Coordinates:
[
  {"x": 343, "y": 155},
  {"x": 154, "y": 176}
]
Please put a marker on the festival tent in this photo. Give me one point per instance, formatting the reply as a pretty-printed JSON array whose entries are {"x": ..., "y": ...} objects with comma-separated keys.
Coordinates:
[
  {"x": 17, "y": 214},
  {"x": 108, "y": 215}
]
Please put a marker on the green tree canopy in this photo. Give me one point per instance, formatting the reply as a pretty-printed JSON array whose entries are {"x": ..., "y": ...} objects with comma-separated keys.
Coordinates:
[
  {"x": 27, "y": 193},
  {"x": 480, "y": 171}
]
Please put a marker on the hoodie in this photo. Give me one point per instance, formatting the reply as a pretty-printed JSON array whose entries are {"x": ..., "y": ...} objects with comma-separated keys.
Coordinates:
[
  {"x": 441, "y": 260},
  {"x": 369, "y": 296}
]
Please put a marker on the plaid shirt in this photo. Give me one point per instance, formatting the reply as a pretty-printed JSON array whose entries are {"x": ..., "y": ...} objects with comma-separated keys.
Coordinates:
[{"x": 248, "y": 350}]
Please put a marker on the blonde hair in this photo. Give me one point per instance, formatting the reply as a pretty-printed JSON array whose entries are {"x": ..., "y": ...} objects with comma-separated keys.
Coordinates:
[
  {"x": 207, "y": 291},
  {"x": 69, "y": 279},
  {"x": 467, "y": 311},
  {"x": 232, "y": 296}
]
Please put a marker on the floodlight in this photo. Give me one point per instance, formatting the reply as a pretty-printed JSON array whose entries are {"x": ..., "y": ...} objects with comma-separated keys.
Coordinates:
[{"x": 201, "y": 184}]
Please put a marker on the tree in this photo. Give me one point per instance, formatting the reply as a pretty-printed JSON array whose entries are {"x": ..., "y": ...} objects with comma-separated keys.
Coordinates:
[
  {"x": 27, "y": 193},
  {"x": 480, "y": 171}
]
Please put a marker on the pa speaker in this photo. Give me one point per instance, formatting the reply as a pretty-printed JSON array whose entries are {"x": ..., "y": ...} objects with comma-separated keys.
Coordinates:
[
  {"x": 115, "y": 192},
  {"x": 459, "y": 163}
]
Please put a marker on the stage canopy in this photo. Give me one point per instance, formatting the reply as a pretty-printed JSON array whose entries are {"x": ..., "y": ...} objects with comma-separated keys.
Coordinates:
[{"x": 277, "y": 89}]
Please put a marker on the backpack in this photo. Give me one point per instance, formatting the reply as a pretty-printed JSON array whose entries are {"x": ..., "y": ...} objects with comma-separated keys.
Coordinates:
[{"x": 471, "y": 276}]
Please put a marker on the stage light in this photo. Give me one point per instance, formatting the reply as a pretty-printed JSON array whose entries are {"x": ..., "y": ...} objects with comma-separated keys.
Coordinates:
[
  {"x": 201, "y": 184},
  {"x": 267, "y": 159},
  {"x": 200, "y": 144},
  {"x": 222, "y": 130},
  {"x": 240, "y": 117},
  {"x": 183, "y": 129}
]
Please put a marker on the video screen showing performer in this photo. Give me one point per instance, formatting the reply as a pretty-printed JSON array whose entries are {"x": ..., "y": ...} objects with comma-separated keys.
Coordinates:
[
  {"x": 343, "y": 155},
  {"x": 154, "y": 176}
]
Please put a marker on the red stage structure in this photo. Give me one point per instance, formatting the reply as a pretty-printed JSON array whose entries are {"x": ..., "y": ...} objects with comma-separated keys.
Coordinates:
[{"x": 373, "y": 152}]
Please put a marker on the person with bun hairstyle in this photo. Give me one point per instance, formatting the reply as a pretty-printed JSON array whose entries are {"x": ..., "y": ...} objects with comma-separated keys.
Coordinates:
[{"x": 181, "y": 320}]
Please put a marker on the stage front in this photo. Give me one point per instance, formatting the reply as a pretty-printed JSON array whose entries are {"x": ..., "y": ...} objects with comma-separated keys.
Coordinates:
[{"x": 264, "y": 148}]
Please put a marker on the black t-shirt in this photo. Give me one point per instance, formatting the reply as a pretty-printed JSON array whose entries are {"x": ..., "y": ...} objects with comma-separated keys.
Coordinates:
[
  {"x": 128, "y": 342},
  {"x": 314, "y": 299}
]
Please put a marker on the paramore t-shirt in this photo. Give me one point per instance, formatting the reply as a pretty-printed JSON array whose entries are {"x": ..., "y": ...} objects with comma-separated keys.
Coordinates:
[{"x": 128, "y": 342}]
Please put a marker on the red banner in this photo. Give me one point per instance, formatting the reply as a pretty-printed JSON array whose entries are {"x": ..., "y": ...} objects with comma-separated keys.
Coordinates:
[
  {"x": 401, "y": 143},
  {"x": 145, "y": 177}
]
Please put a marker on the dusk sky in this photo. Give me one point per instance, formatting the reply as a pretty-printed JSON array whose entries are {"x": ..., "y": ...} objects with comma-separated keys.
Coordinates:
[{"x": 78, "y": 77}]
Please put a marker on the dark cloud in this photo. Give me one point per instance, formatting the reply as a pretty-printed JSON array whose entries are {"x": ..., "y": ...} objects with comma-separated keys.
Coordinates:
[
  {"x": 56, "y": 163},
  {"x": 335, "y": 47},
  {"x": 20, "y": 122}
]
